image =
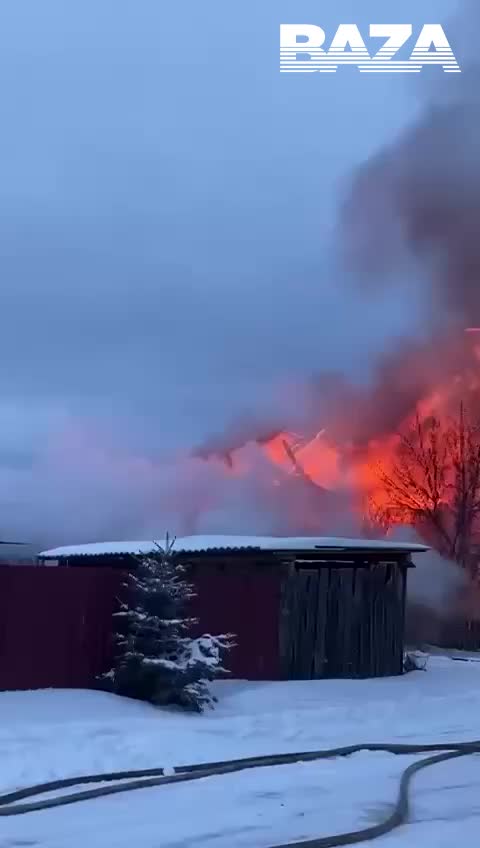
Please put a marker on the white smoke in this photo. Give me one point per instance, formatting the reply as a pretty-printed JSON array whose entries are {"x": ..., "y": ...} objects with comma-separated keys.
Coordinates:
[{"x": 435, "y": 582}]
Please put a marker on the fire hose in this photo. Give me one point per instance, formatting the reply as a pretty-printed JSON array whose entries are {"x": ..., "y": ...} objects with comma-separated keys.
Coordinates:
[{"x": 148, "y": 778}]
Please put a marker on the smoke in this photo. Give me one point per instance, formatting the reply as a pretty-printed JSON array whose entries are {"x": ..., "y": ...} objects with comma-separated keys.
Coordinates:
[
  {"x": 83, "y": 485},
  {"x": 417, "y": 202},
  {"x": 409, "y": 221},
  {"x": 422, "y": 195},
  {"x": 436, "y": 584},
  {"x": 403, "y": 376},
  {"x": 407, "y": 233}
]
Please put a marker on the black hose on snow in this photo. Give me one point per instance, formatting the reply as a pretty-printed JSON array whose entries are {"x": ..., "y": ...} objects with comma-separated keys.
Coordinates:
[{"x": 147, "y": 778}]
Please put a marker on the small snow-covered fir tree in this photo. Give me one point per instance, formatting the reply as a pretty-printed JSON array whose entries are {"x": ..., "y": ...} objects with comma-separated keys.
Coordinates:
[{"x": 157, "y": 660}]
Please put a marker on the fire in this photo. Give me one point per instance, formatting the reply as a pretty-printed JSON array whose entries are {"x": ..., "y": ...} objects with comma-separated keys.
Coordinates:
[
  {"x": 338, "y": 464},
  {"x": 316, "y": 459}
]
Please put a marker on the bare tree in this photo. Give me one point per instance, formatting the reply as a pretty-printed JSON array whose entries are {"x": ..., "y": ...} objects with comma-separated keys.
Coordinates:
[
  {"x": 434, "y": 481},
  {"x": 376, "y": 518}
]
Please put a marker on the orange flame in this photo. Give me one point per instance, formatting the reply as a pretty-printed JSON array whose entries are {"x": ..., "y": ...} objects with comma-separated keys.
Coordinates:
[{"x": 333, "y": 464}]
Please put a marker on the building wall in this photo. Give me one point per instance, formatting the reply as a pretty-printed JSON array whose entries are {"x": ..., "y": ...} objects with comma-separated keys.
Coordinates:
[{"x": 245, "y": 601}]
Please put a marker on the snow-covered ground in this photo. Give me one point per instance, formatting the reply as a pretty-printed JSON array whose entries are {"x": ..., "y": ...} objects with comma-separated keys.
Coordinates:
[{"x": 51, "y": 734}]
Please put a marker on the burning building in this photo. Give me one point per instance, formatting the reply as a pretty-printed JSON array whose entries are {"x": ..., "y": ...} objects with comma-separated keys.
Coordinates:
[{"x": 410, "y": 218}]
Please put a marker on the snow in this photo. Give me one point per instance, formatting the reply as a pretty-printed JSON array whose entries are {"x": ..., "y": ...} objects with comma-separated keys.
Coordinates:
[
  {"x": 190, "y": 544},
  {"x": 53, "y": 734}
]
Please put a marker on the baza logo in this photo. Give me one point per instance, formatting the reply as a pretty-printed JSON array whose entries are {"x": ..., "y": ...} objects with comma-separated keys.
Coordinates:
[{"x": 301, "y": 49}]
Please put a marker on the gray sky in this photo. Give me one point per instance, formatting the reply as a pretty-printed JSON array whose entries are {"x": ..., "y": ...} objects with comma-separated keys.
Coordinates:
[{"x": 167, "y": 200}]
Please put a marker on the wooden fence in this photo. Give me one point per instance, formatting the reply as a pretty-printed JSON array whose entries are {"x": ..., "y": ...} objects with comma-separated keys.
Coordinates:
[
  {"x": 423, "y": 626},
  {"x": 462, "y": 635}
]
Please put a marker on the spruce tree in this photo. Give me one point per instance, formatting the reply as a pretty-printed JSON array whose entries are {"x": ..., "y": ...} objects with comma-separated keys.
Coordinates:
[{"x": 157, "y": 659}]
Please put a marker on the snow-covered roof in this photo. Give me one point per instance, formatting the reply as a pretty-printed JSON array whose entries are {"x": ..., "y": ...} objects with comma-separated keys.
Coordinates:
[{"x": 191, "y": 544}]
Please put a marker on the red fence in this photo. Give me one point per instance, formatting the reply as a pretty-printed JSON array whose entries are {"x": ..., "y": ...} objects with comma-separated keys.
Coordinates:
[{"x": 56, "y": 623}]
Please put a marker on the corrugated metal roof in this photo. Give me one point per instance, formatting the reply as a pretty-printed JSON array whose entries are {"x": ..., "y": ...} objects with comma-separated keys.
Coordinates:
[{"x": 198, "y": 544}]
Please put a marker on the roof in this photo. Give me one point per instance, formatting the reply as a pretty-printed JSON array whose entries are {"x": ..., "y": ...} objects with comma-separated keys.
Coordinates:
[
  {"x": 12, "y": 543},
  {"x": 197, "y": 544}
]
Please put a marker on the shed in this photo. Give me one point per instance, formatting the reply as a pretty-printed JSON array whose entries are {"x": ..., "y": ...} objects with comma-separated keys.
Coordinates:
[{"x": 301, "y": 608}]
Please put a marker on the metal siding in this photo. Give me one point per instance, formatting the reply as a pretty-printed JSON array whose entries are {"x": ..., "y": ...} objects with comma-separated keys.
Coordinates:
[
  {"x": 244, "y": 601},
  {"x": 55, "y": 625}
]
